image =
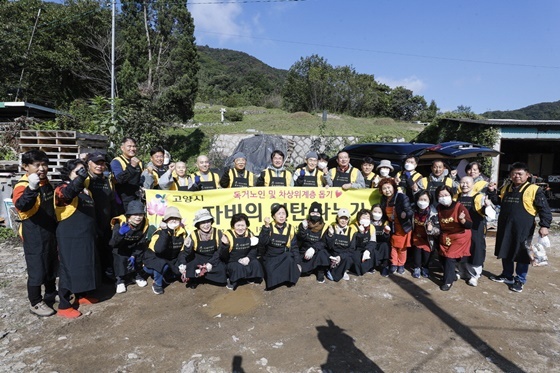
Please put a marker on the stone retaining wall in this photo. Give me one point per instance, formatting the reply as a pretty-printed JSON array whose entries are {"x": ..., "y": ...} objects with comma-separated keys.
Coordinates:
[{"x": 298, "y": 146}]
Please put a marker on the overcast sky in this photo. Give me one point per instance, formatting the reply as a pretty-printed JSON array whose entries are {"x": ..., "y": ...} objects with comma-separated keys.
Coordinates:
[{"x": 486, "y": 54}]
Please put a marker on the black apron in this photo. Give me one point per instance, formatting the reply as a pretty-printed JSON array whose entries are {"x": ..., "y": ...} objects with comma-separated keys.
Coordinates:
[
  {"x": 478, "y": 238},
  {"x": 204, "y": 252},
  {"x": 240, "y": 181},
  {"x": 369, "y": 181},
  {"x": 515, "y": 227},
  {"x": 133, "y": 243},
  {"x": 340, "y": 246},
  {"x": 363, "y": 244},
  {"x": 277, "y": 180},
  {"x": 310, "y": 180},
  {"x": 321, "y": 257},
  {"x": 241, "y": 248},
  {"x": 279, "y": 263},
  {"x": 76, "y": 247},
  {"x": 341, "y": 178},
  {"x": 207, "y": 185},
  {"x": 39, "y": 240},
  {"x": 169, "y": 256}
]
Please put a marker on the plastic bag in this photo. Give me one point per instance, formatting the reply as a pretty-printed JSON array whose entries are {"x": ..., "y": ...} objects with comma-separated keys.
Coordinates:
[
  {"x": 538, "y": 255},
  {"x": 544, "y": 241}
]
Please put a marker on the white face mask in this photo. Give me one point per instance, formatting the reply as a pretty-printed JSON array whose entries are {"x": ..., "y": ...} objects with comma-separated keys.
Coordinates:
[
  {"x": 446, "y": 201},
  {"x": 422, "y": 204},
  {"x": 384, "y": 172},
  {"x": 321, "y": 165},
  {"x": 365, "y": 222},
  {"x": 409, "y": 166},
  {"x": 172, "y": 225},
  {"x": 377, "y": 216}
]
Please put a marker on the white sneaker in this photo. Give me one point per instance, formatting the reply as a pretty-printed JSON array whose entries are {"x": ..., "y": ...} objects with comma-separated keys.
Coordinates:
[
  {"x": 473, "y": 281},
  {"x": 121, "y": 288},
  {"x": 141, "y": 282},
  {"x": 346, "y": 277}
]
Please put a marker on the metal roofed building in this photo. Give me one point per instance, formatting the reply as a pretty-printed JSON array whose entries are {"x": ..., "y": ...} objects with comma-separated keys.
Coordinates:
[
  {"x": 535, "y": 142},
  {"x": 9, "y": 111}
]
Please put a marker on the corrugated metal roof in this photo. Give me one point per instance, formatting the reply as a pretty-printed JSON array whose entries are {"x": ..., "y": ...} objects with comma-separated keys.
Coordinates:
[
  {"x": 11, "y": 110},
  {"x": 507, "y": 122}
]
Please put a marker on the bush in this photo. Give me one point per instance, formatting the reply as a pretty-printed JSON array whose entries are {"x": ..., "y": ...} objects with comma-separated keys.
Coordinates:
[
  {"x": 233, "y": 116},
  {"x": 7, "y": 234}
]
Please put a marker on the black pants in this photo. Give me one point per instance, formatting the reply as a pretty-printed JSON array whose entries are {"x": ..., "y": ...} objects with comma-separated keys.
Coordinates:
[
  {"x": 449, "y": 265},
  {"x": 34, "y": 292},
  {"x": 421, "y": 257}
]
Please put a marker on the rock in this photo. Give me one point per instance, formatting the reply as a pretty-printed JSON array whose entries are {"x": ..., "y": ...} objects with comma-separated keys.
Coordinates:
[
  {"x": 132, "y": 356},
  {"x": 262, "y": 361},
  {"x": 19, "y": 366},
  {"x": 189, "y": 367}
]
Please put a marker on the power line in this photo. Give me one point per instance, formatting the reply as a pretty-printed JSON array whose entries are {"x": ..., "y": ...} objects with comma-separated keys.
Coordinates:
[
  {"x": 386, "y": 52},
  {"x": 247, "y": 2}
]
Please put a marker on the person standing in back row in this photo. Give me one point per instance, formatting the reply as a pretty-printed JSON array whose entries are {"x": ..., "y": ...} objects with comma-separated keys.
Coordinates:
[
  {"x": 237, "y": 176},
  {"x": 203, "y": 178},
  {"x": 308, "y": 175},
  {"x": 275, "y": 174},
  {"x": 436, "y": 179},
  {"x": 127, "y": 169},
  {"x": 345, "y": 175}
]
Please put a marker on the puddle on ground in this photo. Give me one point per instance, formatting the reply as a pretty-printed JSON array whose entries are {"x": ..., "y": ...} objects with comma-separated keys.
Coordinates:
[{"x": 242, "y": 300}]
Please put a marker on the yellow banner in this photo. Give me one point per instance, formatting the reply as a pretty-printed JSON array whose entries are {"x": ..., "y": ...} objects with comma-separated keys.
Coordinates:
[{"x": 256, "y": 203}]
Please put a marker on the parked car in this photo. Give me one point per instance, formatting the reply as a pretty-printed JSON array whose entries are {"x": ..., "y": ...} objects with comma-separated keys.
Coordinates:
[{"x": 452, "y": 152}]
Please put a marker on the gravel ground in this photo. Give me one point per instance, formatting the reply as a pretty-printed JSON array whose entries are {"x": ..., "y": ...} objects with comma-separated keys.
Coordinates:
[{"x": 367, "y": 324}]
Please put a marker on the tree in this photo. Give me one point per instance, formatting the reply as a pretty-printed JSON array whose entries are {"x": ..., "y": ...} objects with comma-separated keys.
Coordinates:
[
  {"x": 307, "y": 85},
  {"x": 63, "y": 61},
  {"x": 404, "y": 105},
  {"x": 160, "y": 61}
]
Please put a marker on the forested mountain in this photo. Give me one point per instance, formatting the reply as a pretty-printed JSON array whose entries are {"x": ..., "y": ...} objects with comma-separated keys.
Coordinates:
[
  {"x": 235, "y": 78},
  {"x": 542, "y": 111}
]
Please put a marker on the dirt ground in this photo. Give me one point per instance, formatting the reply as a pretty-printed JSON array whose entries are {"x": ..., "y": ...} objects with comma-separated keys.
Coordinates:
[{"x": 367, "y": 324}]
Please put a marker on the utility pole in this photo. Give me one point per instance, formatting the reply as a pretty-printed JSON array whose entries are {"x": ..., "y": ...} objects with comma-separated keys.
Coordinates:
[
  {"x": 27, "y": 53},
  {"x": 113, "y": 8}
]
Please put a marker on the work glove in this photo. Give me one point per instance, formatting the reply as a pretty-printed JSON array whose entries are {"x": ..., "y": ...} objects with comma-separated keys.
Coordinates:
[
  {"x": 243, "y": 261},
  {"x": 208, "y": 267},
  {"x": 163, "y": 225},
  {"x": 309, "y": 253},
  {"x": 361, "y": 228},
  {"x": 124, "y": 229},
  {"x": 200, "y": 271},
  {"x": 197, "y": 179},
  {"x": 131, "y": 263},
  {"x": 82, "y": 173},
  {"x": 188, "y": 241},
  {"x": 366, "y": 256},
  {"x": 254, "y": 241},
  {"x": 335, "y": 260},
  {"x": 330, "y": 231},
  {"x": 302, "y": 173},
  {"x": 34, "y": 181},
  {"x": 183, "y": 272},
  {"x": 304, "y": 224}
]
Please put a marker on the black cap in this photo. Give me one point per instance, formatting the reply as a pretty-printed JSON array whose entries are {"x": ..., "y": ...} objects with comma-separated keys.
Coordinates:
[
  {"x": 316, "y": 207},
  {"x": 96, "y": 156},
  {"x": 135, "y": 208}
]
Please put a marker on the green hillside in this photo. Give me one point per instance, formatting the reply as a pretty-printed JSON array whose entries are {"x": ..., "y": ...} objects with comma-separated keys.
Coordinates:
[
  {"x": 542, "y": 111},
  {"x": 233, "y": 78}
]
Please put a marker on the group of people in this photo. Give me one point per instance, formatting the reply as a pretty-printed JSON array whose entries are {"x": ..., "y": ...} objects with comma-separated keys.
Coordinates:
[{"x": 94, "y": 225}]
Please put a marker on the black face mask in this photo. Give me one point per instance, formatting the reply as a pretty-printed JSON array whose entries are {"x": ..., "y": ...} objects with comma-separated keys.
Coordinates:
[{"x": 314, "y": 218}]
